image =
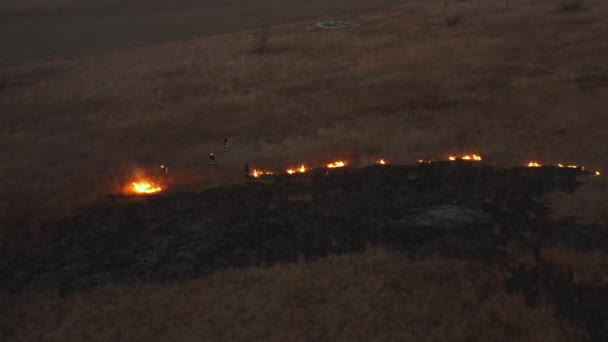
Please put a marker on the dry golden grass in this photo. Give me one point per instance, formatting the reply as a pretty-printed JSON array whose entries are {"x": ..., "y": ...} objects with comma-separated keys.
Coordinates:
[
  {"x": 374, "y": 296},
  {"x": 402, "y": 85},
  {"x": 588, "y": 267}
]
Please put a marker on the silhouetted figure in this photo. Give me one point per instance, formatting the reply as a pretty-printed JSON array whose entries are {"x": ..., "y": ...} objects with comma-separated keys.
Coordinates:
[
  {"x": 226, "y": 144},
  {"x": 211, "y": 159},
  {"x": 164, "y": 170},
  {"x": 246, "y": 170}
]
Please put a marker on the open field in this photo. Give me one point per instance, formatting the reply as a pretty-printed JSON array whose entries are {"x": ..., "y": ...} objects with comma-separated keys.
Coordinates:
[
  {"x": 35, "y": 29},
  {"x": 529, "y": 83},
  {"x": 374, "y": 296}
]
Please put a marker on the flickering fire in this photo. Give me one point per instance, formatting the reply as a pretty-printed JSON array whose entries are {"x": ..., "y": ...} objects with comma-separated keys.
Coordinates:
[
  {"x": 570, "y": 166},
  {"x": 469, "y": 157},
  {"x": 145, "y": 187},
  {"x": 381, "y": 162},
  {"x": 597, "y": 173},
  {"x": 301, "y": 169},
  {"x": 474, "y": 157},
  {"x": 336, "y": 164},
  {"x": 425, "y": 161},
  {"x": 534, "y": 164},
  {"x": 259, "y": 173}
]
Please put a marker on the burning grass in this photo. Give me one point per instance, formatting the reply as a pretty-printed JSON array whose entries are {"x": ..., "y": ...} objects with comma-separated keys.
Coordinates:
[
  {"x": 390, "y": 87},
  {"x": 336, "y": 164}
]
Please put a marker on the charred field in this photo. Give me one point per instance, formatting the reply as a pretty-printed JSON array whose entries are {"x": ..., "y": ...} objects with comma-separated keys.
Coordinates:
[
  {"x": 432, "y": 251},
  {"x": 456, "y": 210}
]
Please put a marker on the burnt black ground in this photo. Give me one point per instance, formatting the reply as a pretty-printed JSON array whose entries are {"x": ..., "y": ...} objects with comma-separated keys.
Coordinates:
[{"x": 457, "y": 209}]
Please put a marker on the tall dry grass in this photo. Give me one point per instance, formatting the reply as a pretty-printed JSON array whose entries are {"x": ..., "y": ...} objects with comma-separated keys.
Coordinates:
[
  {"x": 375, "y": 296},
  {"x": 401, "y": 86}
]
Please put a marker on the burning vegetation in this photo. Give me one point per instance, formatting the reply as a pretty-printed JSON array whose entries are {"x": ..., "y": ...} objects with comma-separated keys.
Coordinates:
[
  {"x": 143, "y": 188},
  {"x": 301, "y": 169},
  {"x": 259, "y": 173},
  {"x": 468, "y": 157},
  {"x": 336, "y": 164}
]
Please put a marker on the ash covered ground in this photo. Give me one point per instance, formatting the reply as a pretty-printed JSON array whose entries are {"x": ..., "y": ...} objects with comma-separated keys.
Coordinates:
[{"x": 456, "y": 209}]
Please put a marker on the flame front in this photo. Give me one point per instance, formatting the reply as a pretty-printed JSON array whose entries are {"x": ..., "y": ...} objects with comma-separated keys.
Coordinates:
[
  {"x": 469, "y": 157},
  {"x": 534, "y": 164},
  {"x": 381, "y": 162},
  {"x": 145, "y": 187},
  {"x": 597, "y": 173},
  {"x": 474, "y": 157},
  {"x": 570, "y": 166},
  {"x": 336, "y": 164},
  {"x": 301, "y": 169},
  {"x": 259, "y": 173}
]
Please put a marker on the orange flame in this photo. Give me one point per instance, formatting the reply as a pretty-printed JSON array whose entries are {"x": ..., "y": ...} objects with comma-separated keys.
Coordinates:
[
  {"x": 424, "y": 161},
  {"x": 470, "y": 157},
  {"x": 380, "y": 162},
  {"x": 144, "y": 187},
  {"x": 597, "y": 173},
  {"x": 301, "y": 169},
  {"x": 569, "y": 166},
  {"x": 259, "y": 173},
  {"x": 474, "y": 157},
  {"x": 534, "y": 164},
  {"x": 336, "y": 164}
]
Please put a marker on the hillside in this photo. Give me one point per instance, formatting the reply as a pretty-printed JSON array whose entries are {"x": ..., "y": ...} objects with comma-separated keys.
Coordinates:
[{"x": 437, "y": 250}]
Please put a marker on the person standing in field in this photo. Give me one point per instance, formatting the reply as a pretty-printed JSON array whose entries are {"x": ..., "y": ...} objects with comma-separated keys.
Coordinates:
[{"x": 211, "y": 159}]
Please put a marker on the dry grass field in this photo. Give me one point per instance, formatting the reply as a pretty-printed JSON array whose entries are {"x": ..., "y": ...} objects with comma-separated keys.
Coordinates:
[
  {"x": 527, "y": 83},
  {"x": 35, "y": 29},
  {"x": 376, "y": 296}
]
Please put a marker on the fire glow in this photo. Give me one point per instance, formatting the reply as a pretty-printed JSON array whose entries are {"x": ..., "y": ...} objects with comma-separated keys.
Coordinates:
[
  {"x": 336, "y": 164},
  {"x": 380, "y": 162},
  {"x": 468, "y": 157},
  {"x": 534, "y": 164},
  {"x": 425, "y": 161},
  {"x": 260, "y": 173},
  {"x": 301, "y": 169},
  {"x": 144, "y": 188}
]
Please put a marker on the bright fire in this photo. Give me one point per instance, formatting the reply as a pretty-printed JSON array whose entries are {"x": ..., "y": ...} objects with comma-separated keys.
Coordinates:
[
  {"x": 259, "y": 173},
  {"x": 381, "y": 162},
  {"x": 473, "y": 157},
  {"x": 597, "y": 173},
  {"x": 534, "y": 164},
  {"x": 336, "y": 164},
  {"x": 301, "y": 169},
  {"x": 568, "y": 166},
  {"x": 145, "y": 187}
]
